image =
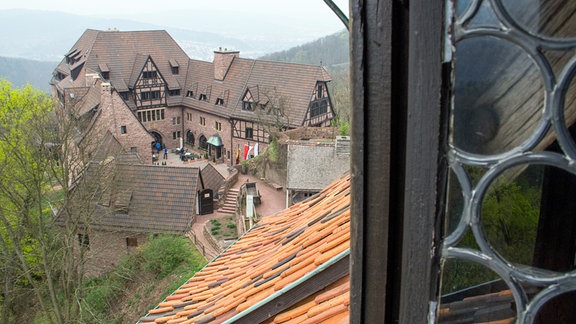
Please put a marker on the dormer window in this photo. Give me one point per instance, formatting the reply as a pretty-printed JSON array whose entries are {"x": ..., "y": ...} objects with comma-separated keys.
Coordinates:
[
  {"x": 219, "y": 102},
  {"x": 60, "y": 76},
  {"x": 190, "y": 93},
  {"x": 72, "y": 56},
  {"x": 174, "y": 67},
  {"x": 248, "y": 103},
  {"x": 104, "y": 71},
  {"x": 175, "y": 92},
  {"x": 202, "y": 97}
]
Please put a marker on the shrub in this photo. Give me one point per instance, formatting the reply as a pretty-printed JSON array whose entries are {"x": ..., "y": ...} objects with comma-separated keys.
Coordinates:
[
  {"x": 231, "y": 225},
  {"x": 215, "y": 223},
  {"x": 164, "y": 253},
  {"x": 161, "y": 256},
  {"x": 344, "y": 128}
]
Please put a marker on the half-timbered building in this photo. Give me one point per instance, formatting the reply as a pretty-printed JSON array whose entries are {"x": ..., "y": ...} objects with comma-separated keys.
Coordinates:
[{"x": 220, "y": 106}]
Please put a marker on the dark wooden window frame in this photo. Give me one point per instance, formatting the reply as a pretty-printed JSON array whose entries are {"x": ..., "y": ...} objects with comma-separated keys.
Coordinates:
[
  {"x": 247, "y": 106},
  {"x": 396, "y": 76},
  {"x": 84, "y": 241},
  {"x": 320, "y": 110},
  {"x": 249, "y": 133},
  {"x": 149, "y": 74},
  {"x": 131, "y": 242}
]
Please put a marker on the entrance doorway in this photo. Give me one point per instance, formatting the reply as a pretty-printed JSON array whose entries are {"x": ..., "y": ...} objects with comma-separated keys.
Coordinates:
[
  {"x": 157, "y": 139},
  {"x": 189, "y": 138},
  {"x": 203, "y": 142}
]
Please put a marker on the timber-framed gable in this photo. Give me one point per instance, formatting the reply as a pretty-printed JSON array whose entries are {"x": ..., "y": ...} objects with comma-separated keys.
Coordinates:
[
  {"x": 320, "y": 111},
  {"x": 166, "y": 91},
  {"x": 250, "y": 130},
  {"x": 150, "y": 87}
]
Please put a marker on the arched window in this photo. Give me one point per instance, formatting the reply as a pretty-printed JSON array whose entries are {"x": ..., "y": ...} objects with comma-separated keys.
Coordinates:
[
  {"x": 189, "y": 138},
  {"x": 203, "y": 142}
]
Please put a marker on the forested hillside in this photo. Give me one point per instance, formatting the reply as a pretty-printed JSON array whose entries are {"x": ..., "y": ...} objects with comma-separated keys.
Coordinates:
[
  {"x": 21, "y": 72},
  {"x": 333, "y": 53},
  {"x": 330, "y": 51}
]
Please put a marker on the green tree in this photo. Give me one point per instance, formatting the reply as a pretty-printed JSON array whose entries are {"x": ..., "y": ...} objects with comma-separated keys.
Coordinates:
[
  {"x": 42, "y": 266},
  {"x": 341, "y": 99},
  {"x": 25, "y": 240}
]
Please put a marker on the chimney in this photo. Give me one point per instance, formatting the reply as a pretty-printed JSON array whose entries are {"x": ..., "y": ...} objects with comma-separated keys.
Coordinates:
[{"x": 222, "y": 61}]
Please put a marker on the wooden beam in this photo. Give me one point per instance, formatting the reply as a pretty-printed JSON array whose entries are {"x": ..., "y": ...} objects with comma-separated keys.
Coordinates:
[
  {"x": 396, "y": 134},
  {"x": 371, "y": 142},
  {"x": 426, "y": 147},
  {"x": 314, "y": 284}
]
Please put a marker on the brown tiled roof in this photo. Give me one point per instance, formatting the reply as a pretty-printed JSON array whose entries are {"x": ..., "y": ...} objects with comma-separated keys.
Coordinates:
[
  {"x": 110, "y": 147},
  {"x": 211, "y": 178},
  {"x": 82, "y": 46},
  {"x": 149, "y": 198},
  {"x": 294, "y": 81},
  {"x": 139, "y": 62},
  {"x": 124, "y": 55},
  {"x": 200, "y": 76},
  {"x": 124, "y": 51},
  {"x": 300, "y": 254},
  {"x": 290, "y": 80},
  {"x": 80, "y": 95}
]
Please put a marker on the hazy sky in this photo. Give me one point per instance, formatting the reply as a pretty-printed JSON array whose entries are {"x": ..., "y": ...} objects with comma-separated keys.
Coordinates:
[{"x": 313, "y": 13}]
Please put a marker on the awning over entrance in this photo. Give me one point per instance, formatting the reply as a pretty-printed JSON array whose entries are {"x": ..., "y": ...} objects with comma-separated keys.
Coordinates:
[{"x": 215, "y": 140}]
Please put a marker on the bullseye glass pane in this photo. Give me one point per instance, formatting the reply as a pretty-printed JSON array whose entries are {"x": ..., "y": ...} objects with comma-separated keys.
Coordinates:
[
  {"x": 473, "y": 293},
  {"x": 550, "y": 18},
  {"x": 510, "y": 213},
  {"x": 498, "y": 96}
]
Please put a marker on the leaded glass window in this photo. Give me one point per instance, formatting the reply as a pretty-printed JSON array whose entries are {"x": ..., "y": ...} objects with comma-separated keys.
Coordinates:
[{"x": 509, "y": 241}]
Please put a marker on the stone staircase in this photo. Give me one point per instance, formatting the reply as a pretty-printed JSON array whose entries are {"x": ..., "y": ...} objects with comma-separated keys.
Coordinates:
[{"x": 229, "y": 206}]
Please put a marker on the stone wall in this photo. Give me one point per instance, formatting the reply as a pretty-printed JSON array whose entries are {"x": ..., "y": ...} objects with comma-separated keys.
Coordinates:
[
  {"x": 191, "y": 122},
  {"x": 314, "y": 165},
  {"x": 106, "y": 247},
  {"x": 117, "y": 118}
]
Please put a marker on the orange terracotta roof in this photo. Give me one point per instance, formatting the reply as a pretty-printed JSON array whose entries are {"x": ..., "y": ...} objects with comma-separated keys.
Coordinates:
[
  {"x": 300, "y": 254},
  {"x": 329, "y": 306}
]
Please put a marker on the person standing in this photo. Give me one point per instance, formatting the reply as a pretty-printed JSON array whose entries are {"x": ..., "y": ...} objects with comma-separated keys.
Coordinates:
[{"x": 165, "y": 153}]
